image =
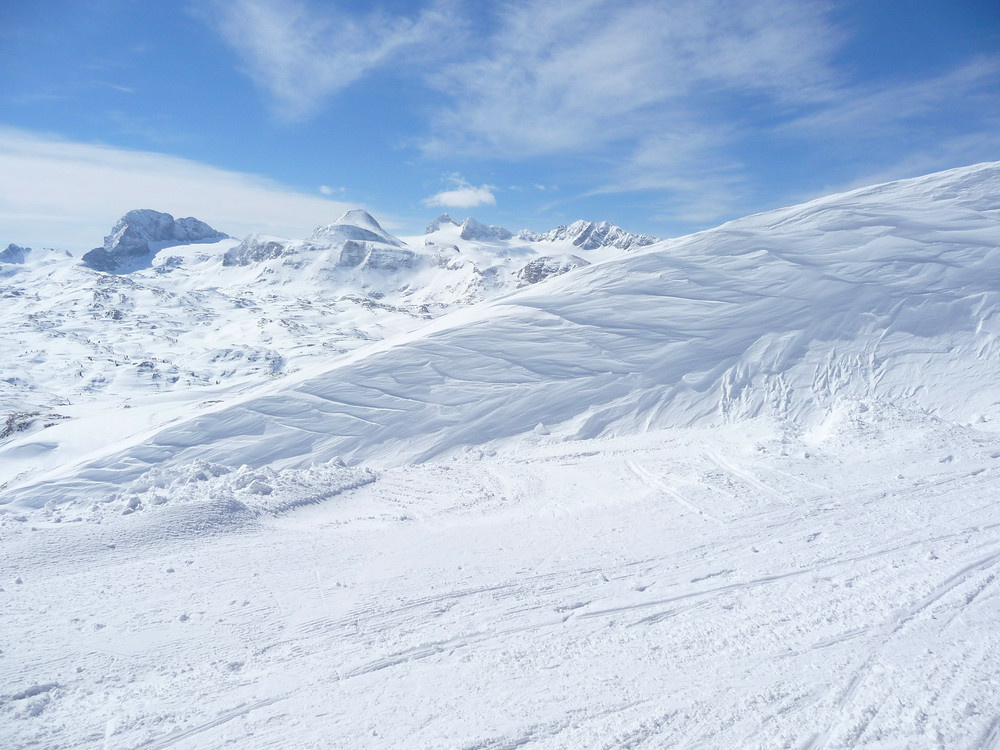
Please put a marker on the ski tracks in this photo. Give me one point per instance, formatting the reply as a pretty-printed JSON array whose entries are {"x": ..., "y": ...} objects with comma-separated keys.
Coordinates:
[{"x": 659, "y": 485}]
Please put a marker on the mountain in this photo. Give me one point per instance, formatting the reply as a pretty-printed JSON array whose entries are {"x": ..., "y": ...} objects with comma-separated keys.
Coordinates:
[
  {"x": 586, "y": 235},
  {"x": 181, "y": 314},
  {"x": 136, "y": 235},
  {"x": 589, "y": 235},
  {"x": 14, "y": 254}
]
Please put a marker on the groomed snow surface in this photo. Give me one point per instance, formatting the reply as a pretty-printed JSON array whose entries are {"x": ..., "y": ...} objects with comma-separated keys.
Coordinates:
[{"x": 733, "y": 490}]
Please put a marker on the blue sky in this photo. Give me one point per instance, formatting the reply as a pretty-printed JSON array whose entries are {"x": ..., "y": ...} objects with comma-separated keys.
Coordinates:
[{"x": 662, "y": 117}]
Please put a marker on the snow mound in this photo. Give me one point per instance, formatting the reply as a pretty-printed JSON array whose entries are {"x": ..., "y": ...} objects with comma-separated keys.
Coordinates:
[{"x": 198, "y": 488}]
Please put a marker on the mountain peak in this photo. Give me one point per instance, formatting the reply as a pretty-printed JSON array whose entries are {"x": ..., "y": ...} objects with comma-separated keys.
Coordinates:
[
  {"x": 476, "y": 230},
  {"x": 591, "y": 235},
  {"x": 358, "y": 217},
  {"x": 355, "y": 224},
  {"x": 133, "y": 235},
  {"x": 14, "y": 254}
]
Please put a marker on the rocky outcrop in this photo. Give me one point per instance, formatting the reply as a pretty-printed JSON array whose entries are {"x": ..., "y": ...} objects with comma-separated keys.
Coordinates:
[
  {"x": 256, "y": 248},
  {"x": 436, "y": 224},
  {"x": 474, "y": 230},
  {"x": 548, "y": 266},
  {"x": 139, "y": 233},
  {"x": 591, "y": 235},
  {"x": 14, "y": 254},
  {"x": 356, "y": 225}
]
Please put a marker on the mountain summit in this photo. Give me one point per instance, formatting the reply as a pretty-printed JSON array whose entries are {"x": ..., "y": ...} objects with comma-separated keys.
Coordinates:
[{"x": 140, "y": 232}]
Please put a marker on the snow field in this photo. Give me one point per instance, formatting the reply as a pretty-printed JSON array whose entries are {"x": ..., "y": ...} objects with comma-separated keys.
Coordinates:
[{"x": 744, "y": 587}]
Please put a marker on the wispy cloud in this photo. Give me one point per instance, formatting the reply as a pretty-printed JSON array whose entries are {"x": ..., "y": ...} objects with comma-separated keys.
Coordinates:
[
  {"x": 861, "y": 111},
  {"x": 565, "y": 77},
  {"x": 683, "y": 99},
  {"x": 66, "y": 194},
  {"x": 463, "y": 195},
  {"x": 302, "y": 55},
  {"x": 688, "y": 167}
]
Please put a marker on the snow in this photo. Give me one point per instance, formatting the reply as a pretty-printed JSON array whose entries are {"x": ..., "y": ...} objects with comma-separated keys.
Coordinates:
[{"x": 729, "y": 490}]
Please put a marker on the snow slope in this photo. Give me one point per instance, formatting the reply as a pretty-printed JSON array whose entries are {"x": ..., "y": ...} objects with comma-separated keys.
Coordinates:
[
  {"x": 884, "y": 294},
  {"x": 734, "y": 490},
  {"x": 735, "y": 587},
  {"x": 183, "y": 326}
]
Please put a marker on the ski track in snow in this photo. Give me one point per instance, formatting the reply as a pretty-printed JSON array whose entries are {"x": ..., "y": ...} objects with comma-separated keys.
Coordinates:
[{"x": 622, "y": 619}]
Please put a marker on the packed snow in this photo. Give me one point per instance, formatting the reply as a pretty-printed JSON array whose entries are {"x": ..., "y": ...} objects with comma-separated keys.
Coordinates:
[{"x": 728, "y": 490}]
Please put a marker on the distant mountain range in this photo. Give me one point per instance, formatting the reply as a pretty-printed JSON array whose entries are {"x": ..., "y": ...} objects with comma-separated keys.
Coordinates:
[{"x": 174, "y": 306}]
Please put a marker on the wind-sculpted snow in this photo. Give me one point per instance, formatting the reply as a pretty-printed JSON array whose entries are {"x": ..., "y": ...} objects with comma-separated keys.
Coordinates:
[{"x": 884, "y": 294}]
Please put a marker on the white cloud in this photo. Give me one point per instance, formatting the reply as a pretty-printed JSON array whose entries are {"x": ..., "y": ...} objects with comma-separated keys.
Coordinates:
[
  {"x": 463, "y": 195},
  {"x": 686, "y": 167},
  {"x": 864, "y": 111},
  {"x": 569, "y": 77},
  {"x": 302, "y": 55},
  {"x": 64, "y": 194},
  {"x": 326, "y": 190}
]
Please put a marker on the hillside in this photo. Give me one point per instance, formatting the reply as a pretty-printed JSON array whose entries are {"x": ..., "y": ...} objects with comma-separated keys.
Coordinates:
[{"x": 735, "y": 489}]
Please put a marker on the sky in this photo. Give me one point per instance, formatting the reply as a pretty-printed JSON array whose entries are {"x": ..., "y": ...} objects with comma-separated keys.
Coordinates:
[{"x": 664, "y": 117}]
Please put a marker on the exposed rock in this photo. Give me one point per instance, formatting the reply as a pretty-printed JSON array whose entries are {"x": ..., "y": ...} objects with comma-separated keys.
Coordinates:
[
  {"x": 383, "y": 258},
  {"x": 14, "y": 254},
  {"x": 474, "y": 230},
  {"x": 436, "y": 224},
  {"x": 256, "y": 248},
  {"x": 547, "y": 267},
  {"x": 135, "y": 234},
  {"x": 590, "y": 235},
  {"x": 352, "y": 254}
]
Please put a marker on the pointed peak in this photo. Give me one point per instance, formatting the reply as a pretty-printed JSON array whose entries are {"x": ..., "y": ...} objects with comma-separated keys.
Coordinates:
[
  {"x": 356, "y": 224},
  {"x": 358, "y": 217}
]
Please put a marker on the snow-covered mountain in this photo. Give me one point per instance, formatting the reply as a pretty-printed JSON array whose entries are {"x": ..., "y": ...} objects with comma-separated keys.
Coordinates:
[
  {"x": 476, "y": 489},
  {"x": 175, "y": 307},
  {"x": 138, "y": 234},
  {"x": 885, "y": 294}
]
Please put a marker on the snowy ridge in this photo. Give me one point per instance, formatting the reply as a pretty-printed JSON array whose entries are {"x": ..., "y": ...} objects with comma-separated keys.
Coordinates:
[
  {"x": 882, "y": 294},
  {"x": 589, "y": 235},
  {"x": 182, "y": 327}
]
